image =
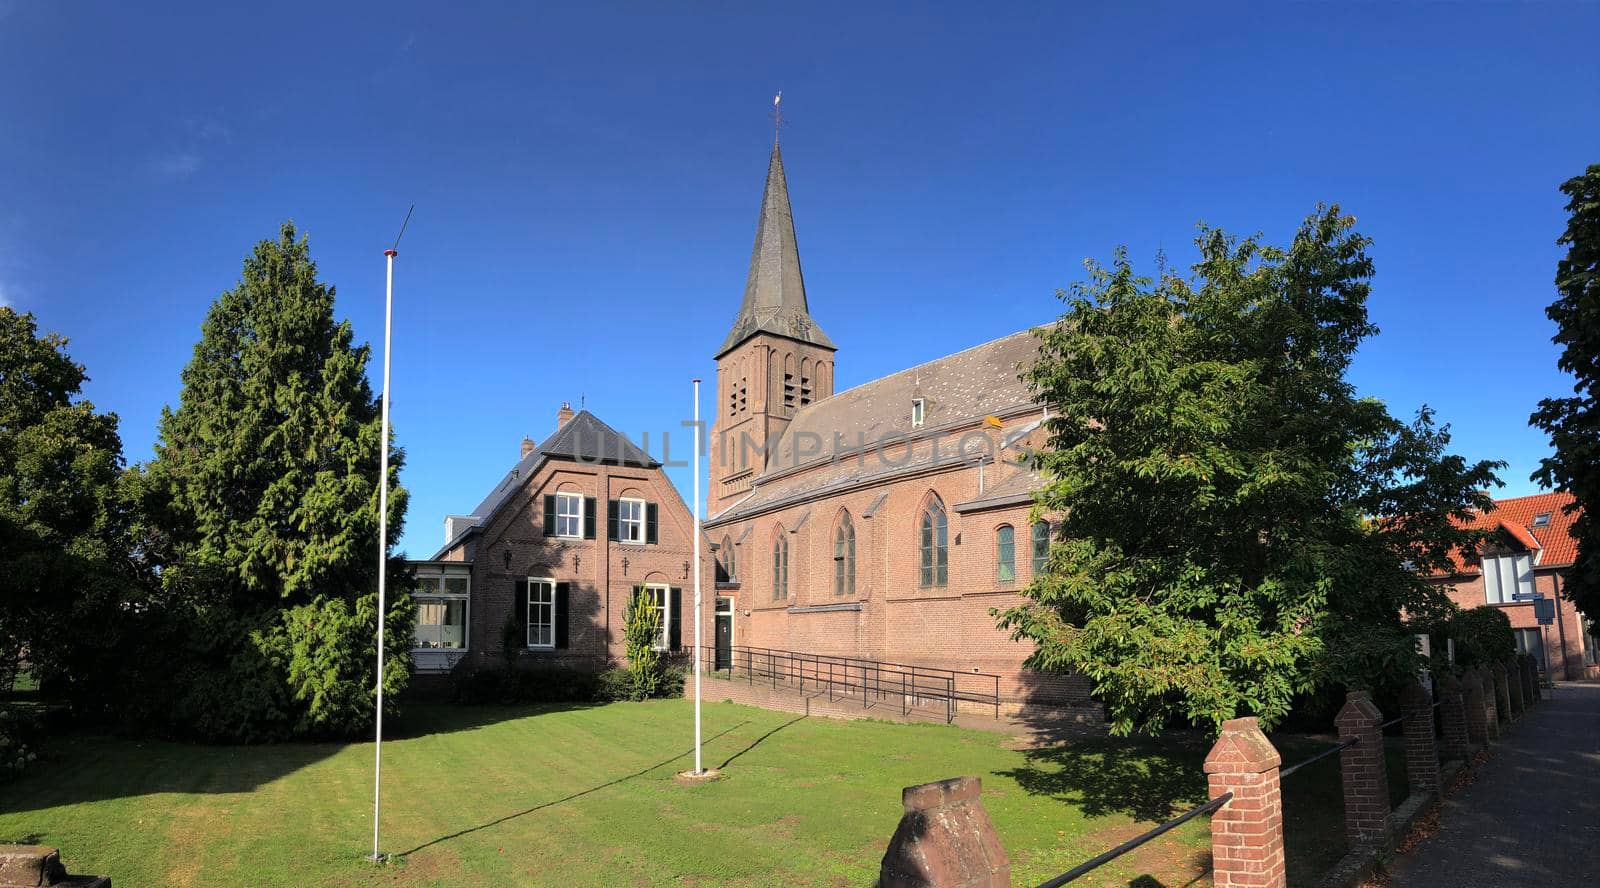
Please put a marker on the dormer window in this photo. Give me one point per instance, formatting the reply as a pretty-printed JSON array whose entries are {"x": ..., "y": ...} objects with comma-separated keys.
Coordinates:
[
  {"x": 917, "y": 408},
  {"x": 1541, "y": 520}
]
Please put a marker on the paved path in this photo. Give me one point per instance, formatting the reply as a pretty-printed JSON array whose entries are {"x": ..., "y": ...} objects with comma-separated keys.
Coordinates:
[{"x": 1532, "y": 817}]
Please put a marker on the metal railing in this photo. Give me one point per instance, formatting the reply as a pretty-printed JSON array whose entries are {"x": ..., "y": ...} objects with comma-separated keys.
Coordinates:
[
  {"x": 1097, "y": 862},
  {"x": 927, "y": 689},
  {"x": 1207, "y": 808}
]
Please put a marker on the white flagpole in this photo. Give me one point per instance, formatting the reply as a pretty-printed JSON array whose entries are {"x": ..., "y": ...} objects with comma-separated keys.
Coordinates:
[
  {"x": 383, "y": 549},
  {"x": 698, "y": 654}
]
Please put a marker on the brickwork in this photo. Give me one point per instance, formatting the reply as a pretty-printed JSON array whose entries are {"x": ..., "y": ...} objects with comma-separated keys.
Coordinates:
[
  {"x": 1563, "y": 642},
  {"x": 1513, "y": 671},
  {"x": 1530, "y": 678},
  {"x": 1362, "y": 768},
  {"x": 1491, "y": 702},
  {"x": 1477, "y": 717},
  {"x": 601, "y": 574},
  {"x": 1454, "y": 745},
  {"x": 1502, "y": 691},
  {"x": 890, "y": 615},
  {"x": 1422, "y": 754},
  {"x": 1247, "y": 832}
]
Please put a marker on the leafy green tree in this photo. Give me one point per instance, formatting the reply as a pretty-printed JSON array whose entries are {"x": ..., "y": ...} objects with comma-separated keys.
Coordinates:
[
  {"x": 1573, "y": 424},
  {"x": 640, "y": 634},
  {"x": 61, "y": 524},
  {"x": 1236, "y": 525},
  {"x": 262, "y": 504}
]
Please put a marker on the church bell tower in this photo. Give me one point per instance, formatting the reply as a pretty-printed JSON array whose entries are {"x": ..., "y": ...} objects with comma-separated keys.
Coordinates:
[{"x": 775, "y": 361}]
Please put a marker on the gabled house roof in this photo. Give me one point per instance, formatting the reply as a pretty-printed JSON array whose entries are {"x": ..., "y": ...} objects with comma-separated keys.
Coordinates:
[
  {"x": 1551, "y": 541},
  {"x": 583, "y": 438}
]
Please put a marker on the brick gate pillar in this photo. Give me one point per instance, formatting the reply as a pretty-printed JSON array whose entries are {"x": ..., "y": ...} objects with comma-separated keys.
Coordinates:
[
  {"x": 1514, "y": 685},
  {"x": 1366, "y": 781},
  {"x": 1476, "y": 709},
  {"x": 1491, "y": 708},
  {"x": 1452, "y": 719},
  {"x": 1247, "y": 832},
  {"x": 1502, "y": 691},
  {"x": 1422, "y": 755}
]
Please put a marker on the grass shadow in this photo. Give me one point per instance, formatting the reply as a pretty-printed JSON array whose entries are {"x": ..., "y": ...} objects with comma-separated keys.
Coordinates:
[
  {"x": 758, "y": 741},
  {"x": 579, "y": 794},
  {"x": 1146, "y": 779}
]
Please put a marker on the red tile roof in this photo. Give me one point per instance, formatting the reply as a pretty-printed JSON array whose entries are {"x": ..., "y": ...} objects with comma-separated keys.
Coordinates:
[{"x": 1515, "y": 515}]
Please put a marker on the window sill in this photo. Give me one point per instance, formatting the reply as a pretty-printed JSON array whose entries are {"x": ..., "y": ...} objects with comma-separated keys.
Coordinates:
[{"x": 826, "y": 608}]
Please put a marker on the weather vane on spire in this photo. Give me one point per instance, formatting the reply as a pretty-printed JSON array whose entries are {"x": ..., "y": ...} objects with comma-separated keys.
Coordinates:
[{"x": 777, "y": 116}]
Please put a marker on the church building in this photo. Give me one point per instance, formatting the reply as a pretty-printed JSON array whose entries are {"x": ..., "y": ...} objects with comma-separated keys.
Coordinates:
[{"x": 884, "y": 522}]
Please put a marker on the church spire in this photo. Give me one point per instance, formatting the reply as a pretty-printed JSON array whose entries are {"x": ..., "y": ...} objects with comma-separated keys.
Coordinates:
[{"x": 775, "y": 291}]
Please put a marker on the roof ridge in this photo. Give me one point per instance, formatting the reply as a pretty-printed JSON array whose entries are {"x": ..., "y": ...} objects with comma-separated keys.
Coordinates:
[{"x": 1524, "y": 496}]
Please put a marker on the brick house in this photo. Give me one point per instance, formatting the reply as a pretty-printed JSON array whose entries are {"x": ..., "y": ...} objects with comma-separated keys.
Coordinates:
[
  {"x": 549, "y": 560},
  {"x": 882, "y": 522},
  {"x": 1531, "y": 551}
]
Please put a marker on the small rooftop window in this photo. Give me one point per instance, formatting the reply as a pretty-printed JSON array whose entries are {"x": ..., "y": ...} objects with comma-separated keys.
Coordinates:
[
  {"x": 916, "y": 413},
  {"x": 1541, "y": 520}
]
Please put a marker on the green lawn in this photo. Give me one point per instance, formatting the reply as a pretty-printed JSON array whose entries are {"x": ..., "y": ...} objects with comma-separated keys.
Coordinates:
[{"x": 586, "y": 796}]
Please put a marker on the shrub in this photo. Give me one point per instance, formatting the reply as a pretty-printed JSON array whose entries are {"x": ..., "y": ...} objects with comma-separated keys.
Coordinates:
[
  {"x": 557, "y": 684},
  {"x": 642, "y": 630},
  {"x": 616, "y": 683},
  {"x": 1482, "y": 635}
]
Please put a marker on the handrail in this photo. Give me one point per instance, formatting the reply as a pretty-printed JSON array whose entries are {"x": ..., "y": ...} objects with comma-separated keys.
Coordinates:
[
  {"x": 1284, "y": 772},
  {"x": 1103, "y": 859},
  {"x": 834, "y": 673}
]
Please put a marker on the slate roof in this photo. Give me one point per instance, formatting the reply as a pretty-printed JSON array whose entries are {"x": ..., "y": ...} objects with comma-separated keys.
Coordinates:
[
  {"x": 775, "y": 290},
  {"x": 1012, "y": 489},
  {"x": 583, "y": 437},
  {"x": 957, "y": 389},
  {"x": 1552, "y": 544}
]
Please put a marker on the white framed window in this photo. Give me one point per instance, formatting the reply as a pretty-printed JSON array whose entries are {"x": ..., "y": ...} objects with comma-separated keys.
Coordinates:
[
  {"x": 1507, "y": 576},
  {"x": 661, "y": 599},
  {"x": 541, "y": 613},
  {"x": 630, "y": 520},
  {"x": 442, "y": 601},
  {"x": 917, "y": 408},
  {"x": 569, "y": 515}
]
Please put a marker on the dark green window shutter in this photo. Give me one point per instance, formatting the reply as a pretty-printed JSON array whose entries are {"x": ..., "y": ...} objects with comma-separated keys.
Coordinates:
[
  {"x": 550, "y": 515},
  {"x": 612, "y": 519},
  {"x": 588, "y": 517},
  {"x": 675, "y": 631},
  {"x": 519, "y": 609},
  {"x": 650, "y": 523},
  {"x": 562, "y": 596}
]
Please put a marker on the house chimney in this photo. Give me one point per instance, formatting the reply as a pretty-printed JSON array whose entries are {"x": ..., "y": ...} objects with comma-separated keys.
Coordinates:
[
  {"x": 527, "y": 446},
  {"x": 564, "y": 414}
]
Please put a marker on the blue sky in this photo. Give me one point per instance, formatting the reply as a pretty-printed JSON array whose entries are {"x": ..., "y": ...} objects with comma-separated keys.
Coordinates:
[{"x": 587, "y": 180}]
